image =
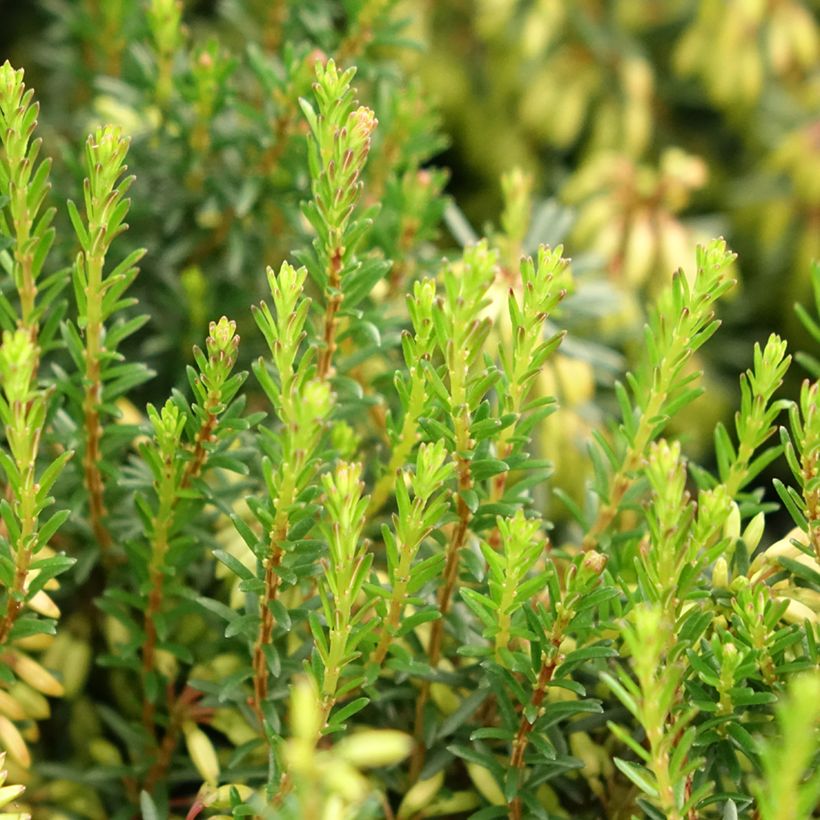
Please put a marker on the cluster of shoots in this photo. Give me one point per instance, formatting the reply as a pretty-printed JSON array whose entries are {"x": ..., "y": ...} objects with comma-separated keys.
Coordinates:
[{"x": 366, "y": 597}]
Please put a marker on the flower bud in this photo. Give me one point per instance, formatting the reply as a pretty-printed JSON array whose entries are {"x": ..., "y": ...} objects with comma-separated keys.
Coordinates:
[
  {"x": 587, "y": 751},
  {"x": 784, "y": 548},
  {"x": 458, "y": 804},
  {"x": 444, "y": 697},
  {"x": 34, "y": 705},
  {"x": 640, "y": 249},
  {"x": 305, "y": 715},
  {"x": 798, "y": 613},
  {"x": 43, "y": 605},
  {"x": 576, "y": 379},
  {"x": 221, "y": 797},
  {"x": 343, "y": 780},
  {"x": 166, "y": 663},
  {"x": 9, "y": 794},
  {"x": 594, "y": 562},
  {"x": 104, "y": 752}
]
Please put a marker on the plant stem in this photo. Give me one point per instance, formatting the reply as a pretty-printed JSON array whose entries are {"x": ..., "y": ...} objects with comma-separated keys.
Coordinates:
[
  {"x": 266, "y": 622},
  {"x": 622, "y": 480},
  {"x": 27, "y": 442},
  {"x": 521, "y": 741},
  {"x": 161, "y": 527},
  {"x": 809, "y": 468},
  {"x": 445, "y": 594},
  {"x": 404, "y": 447},
  {"x": 334, "y": 303},
  {"x": 407, "y": 553},
  {"x": 93, "y": 399}
]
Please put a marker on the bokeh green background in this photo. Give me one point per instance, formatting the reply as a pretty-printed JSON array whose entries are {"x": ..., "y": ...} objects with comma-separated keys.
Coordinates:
[{"x": 656, "y": 124}]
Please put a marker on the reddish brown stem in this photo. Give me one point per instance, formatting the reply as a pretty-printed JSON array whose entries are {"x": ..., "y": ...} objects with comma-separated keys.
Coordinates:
[
  {"x": 160, "y": 546},
  {"x": 260, "y": 663},
  {"x": 450, "y": 577},
  {"x": 521, "y": 741},
  {"x": 165, "y": 752},
  {"x": 15, "y": 604},
  {"x": 331, "y": 320},
  {"x": 444, "y": 600},
  {"x": 607, "y": 512},
  {"x": 193, "y": 469},
  {"x": 180, "y": 709},
  {"x": 388, "y": 632}
]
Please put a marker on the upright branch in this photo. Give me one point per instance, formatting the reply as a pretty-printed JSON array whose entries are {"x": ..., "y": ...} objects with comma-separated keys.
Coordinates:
[
  {"x": 460, "y": 335},
  {"x": 342, "y": 584},
  {"x": 24, "y": 181},
  {"x": 652, "y": 699},
  {"x": 802, "y": 448},
  {"x": 302, "y": 405},
  {"x": 567, "y": 604},
  {"x": 755, "y": 421},
  {"x": 738, "y": 464},
  {"x": 167, "y": 468},
  {"x": 99, "y": 294},
  {"x": 165, "y": 22},
  {"x": 411, "y": 386},
  {"x": 544, "y": 283},
  {"x": 516, "y": 194},
  {"x": 459, "y": 385},
  {"x": 522, "y": 544},
  {"x": 214, "y": 389},
  {"x": 338, "y": 146},
  {"x": 183, "y": 440},
  {"x": 23, "y": 408},
  {"x": 412, "y": 523},
  {"x": 670, "y": 517},
  {"x": 789, "y": 785},
  {"x": 680, "y": 324},
  {"x": 28, "y": 566}
]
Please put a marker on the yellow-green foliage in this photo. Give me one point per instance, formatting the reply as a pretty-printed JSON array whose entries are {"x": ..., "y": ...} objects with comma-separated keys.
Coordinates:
[{"x": 469, "y": 541}]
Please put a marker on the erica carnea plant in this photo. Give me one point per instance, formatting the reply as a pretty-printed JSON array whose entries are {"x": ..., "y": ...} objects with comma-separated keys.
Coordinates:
[{"x": 352, "y": 585}]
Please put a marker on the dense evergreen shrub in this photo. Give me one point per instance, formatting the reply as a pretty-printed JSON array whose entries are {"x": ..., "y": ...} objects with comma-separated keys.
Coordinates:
[{"x": 419, "y": 545}]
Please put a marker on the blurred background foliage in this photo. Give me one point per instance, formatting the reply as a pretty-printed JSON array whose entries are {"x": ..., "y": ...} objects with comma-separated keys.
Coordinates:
[
  {"x": 657, "y": 124},
  {"x": 630, "y": 131}
]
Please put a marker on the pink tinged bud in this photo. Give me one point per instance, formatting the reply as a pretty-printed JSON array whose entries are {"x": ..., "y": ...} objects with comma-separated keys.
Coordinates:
[
  {"x": 363, "y": 123},
  {"x": 594, "y": 562}
]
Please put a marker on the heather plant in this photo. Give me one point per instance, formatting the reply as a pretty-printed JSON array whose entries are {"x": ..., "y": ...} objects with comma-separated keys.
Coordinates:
[
  {"x": 329, "y": 570},
  {"x": 210, "y": 102}
]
